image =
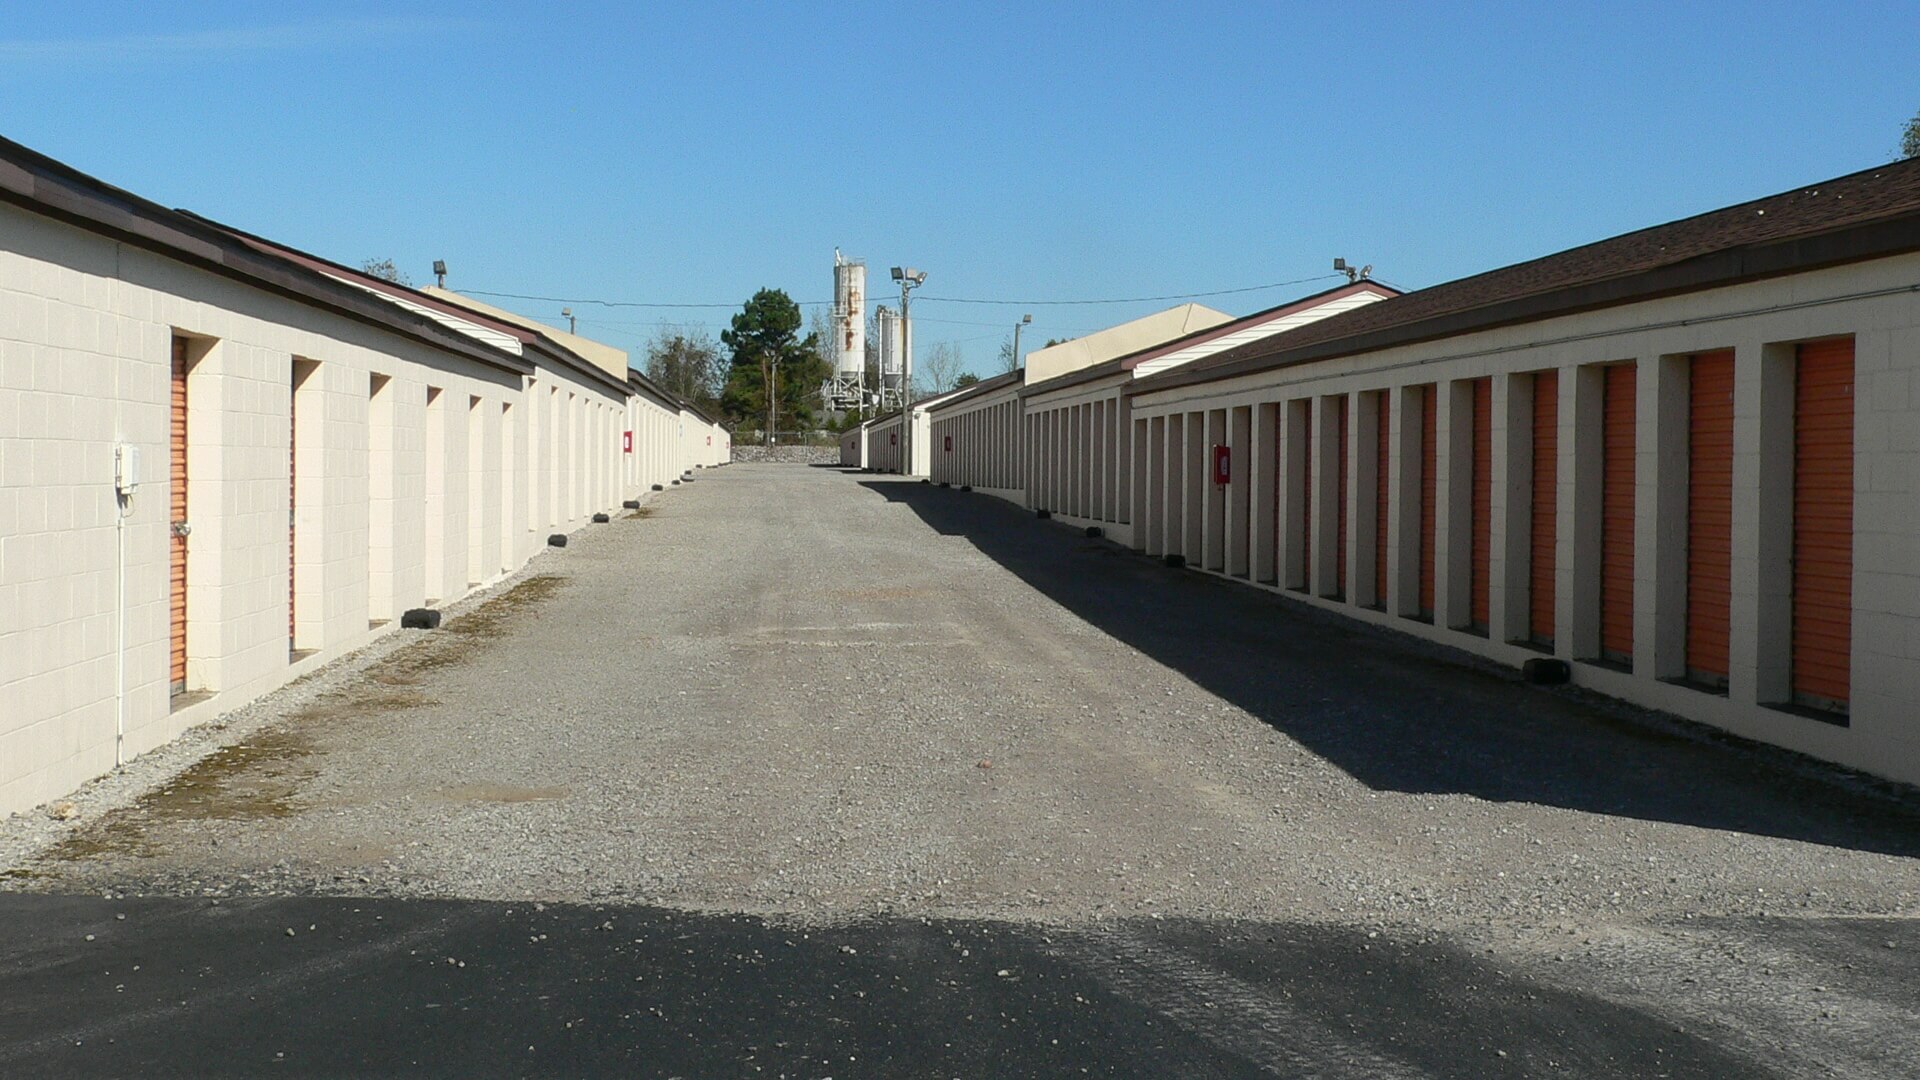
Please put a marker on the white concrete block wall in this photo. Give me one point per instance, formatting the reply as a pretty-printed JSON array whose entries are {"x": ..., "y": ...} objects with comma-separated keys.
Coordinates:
[
  {"x": 86, "y": 332},
  {"x": 1871, "y": 302}
]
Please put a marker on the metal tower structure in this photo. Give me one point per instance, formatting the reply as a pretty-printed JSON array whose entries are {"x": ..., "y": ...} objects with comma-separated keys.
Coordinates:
[
  {"x": 846, "y": 388},
  {"x": 893, "y": 353}
]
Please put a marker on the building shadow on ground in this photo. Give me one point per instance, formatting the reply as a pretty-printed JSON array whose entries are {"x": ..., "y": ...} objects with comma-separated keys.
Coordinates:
[
  {"x": 346, "y": 986},
  {"x": 1402, "y": 714}
]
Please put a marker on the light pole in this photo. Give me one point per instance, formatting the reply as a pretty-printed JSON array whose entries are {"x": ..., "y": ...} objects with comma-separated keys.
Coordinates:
[
  {"x": 909, "y": 279},
  {"x": 773, "y": 386},
  {"x": 1024, "y": 320}
]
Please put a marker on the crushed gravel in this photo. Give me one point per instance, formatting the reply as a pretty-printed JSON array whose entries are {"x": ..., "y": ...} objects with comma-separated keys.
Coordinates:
[
  {"x": 803, "y": 693},
  {"x": 817, "y": 697}
]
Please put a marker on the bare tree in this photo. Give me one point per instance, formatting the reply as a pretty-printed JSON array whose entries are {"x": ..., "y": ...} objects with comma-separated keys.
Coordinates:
[
  {"x": 385, "y": 270},
  {"x": 687, "y": 361},
  {"x": 1007, "y": 360},
  {"x": 940, "y": 368}
]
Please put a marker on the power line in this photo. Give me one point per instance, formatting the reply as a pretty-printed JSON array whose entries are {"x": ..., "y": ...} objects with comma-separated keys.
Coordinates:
[
  {"x": 934, "y": 299},
  {"x": 1130, "y": 299}
]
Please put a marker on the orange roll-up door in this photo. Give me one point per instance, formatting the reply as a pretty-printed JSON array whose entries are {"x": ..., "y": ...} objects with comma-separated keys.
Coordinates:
[
  {"x": 1616, "y": 514},
  {"x": 1306, "y": 504},
  {"x": 1429, "y": 489},
  {"x": 1546, "y": 499},
  {"x": 1709, "y": 514},
  {"x": 1482, "y": 483},
  {"x": 1277, "y": 469},
  {"x": 176, "y": 515},
  {"x": 1382, "y": 472},
  {"x": 1340, "y": 498},
  {"x": 1823, "y": 523}
]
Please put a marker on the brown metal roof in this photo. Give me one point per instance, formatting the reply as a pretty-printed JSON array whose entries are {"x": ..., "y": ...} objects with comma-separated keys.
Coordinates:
[{"x": 1865, "y": 215}]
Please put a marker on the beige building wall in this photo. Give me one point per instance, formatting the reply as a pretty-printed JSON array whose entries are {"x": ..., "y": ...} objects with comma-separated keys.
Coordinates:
[
  {"x": 609, "y": 359},
  {"x": 1115, "y": 341},
  {"x": 976, "y": 442},
  {"x": 883, "y": 444},
  {"x": 86, "y": 332},
  {"x": 1090, "y": 483}
]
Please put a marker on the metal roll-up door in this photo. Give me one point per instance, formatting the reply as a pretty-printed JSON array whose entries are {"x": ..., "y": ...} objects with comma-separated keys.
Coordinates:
[
  {"x": 1546, "y": 498},
  {"x": 177, "y": 518},
  {"x": 1482, "y": 486},
  {"x": 1382, "y": 471},
  {"x": 1429, "y": 490},
  {"x": 1823, "y": 524},
  {"x": 1340, "y": 497},
  {"x": 1306, "y": 503},
  {"x": 1618, "y": 412},
  {"x": 1709, "y": 515}
]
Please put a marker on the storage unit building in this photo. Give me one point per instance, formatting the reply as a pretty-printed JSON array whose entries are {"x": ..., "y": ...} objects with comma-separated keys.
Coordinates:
[
  {"x": 1680, "y": 460},
  {"x": 977, "y": 438},
  {"x": 224, "y": 463},
  {"x": 1085, "y": 474}
]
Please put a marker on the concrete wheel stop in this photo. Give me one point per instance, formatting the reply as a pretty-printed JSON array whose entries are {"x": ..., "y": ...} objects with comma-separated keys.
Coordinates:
[
  {"x": 1043, "y": 514},
  {"x": 421, "y": 618},
  {"x": 1095, "y": 532},
  {"x": 601, "y": 519},
  {"x": 557, "y": 540},
  {"x": 1175, "y": 561},
  {"x": 630, "y": 504},
  {"x": 1544, "y": 672}
]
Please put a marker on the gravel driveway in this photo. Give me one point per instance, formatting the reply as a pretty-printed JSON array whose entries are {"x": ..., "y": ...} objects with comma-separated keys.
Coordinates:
[{"x": 815, "y": 696}]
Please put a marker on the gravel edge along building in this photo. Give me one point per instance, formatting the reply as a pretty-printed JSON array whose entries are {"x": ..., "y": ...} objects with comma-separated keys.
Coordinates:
[{"x": 224, "y": 463}]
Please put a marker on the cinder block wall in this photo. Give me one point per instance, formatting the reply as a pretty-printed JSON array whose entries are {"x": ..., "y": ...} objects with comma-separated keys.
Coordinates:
[{"x": 86, "y": 336}]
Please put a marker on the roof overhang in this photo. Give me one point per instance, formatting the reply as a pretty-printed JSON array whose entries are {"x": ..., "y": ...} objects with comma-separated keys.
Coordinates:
[
  {"x": 1731, "y": 266},
  {"x": 41, "y": 185}
]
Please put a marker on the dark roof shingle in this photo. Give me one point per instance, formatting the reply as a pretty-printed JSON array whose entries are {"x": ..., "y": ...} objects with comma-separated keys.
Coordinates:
[{"x": 1868, "y": 214}]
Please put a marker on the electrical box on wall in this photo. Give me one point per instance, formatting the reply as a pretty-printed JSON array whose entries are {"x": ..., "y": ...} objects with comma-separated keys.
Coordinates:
[{"x": 126, "y": 468}]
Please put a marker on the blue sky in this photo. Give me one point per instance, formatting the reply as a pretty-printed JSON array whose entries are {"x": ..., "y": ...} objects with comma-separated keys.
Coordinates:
[{"x": 695, "y": 152}]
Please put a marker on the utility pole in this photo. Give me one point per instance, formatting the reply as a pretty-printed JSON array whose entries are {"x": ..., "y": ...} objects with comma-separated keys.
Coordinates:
[
  {"x": 773, "y": 380},
  {"x": 1024, "y": 320},
  {"x": 909, "y": 279}
]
